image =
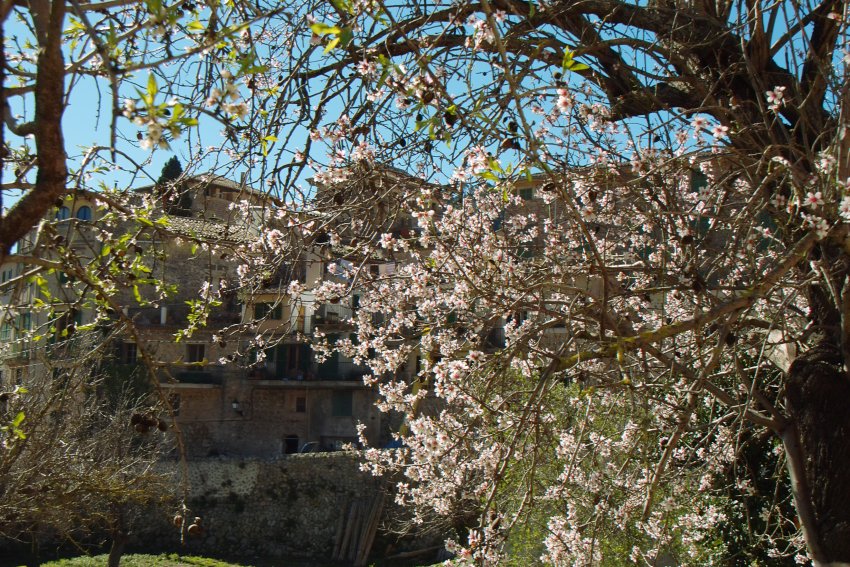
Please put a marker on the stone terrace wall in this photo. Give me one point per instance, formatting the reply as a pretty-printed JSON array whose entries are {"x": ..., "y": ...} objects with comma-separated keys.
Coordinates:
[{"x": 291, "y": 506}]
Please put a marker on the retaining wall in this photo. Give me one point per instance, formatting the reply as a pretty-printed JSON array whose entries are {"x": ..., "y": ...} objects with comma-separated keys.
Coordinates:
[{"x": 295, "y": 505}]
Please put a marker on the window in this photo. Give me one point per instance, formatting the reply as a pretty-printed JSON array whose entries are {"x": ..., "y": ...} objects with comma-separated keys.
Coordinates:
[
  {"x": 129, "y": 353},
  {"x": 64, "y": 213},
  {"x": 342, "y": 404},
  {"x": 699, "y": 181},
  {"x": 174, "y": 402},
  {"x": 84, "y": 213},
  {"x": 195, "y": 352},
  {"x": 66, "y": 324},
  {"x": 498, "y": 222},
  {"x": 525, "y": 252},
  {"x": 5, "y": 332},
  {"x": 268, "y": 311},
  {"x": 300, "y": 404},
  {"x": 24, "y": 321},
  {"x": 297, "y": 359},
  {"x": 290, "y": 444},
  {"x": 519, "y": 317},
  {"x": 526, "y": 194}
]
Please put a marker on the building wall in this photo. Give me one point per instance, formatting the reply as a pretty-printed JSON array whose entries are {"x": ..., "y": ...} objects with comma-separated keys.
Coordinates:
[
  {"x": 262, "y": 418},
  {"x": 295, "y": 505},
  {"x": 280, "y": 408}
]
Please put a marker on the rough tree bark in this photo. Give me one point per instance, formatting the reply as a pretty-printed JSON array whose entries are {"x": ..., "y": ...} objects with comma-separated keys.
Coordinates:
[
  {"x": 52, "y": 173},
  {"x": 120, "y": 536},
  {"x": 818, "y": 392}
]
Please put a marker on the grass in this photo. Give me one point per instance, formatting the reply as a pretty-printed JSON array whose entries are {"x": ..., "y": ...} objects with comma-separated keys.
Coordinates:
[
  {"x": 175, "y": 560},
  {"x": 139, "y": 560}
]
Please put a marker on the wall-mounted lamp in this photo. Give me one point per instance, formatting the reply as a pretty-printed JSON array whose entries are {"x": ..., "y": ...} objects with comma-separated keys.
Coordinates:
[{"x": 237, "y": 407}]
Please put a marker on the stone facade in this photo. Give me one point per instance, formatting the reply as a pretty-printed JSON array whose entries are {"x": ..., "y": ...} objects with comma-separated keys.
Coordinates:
[
  {"x": 230, "y": 398},
  {"x": 269, "y": 418},
  {"x": 292, "y": 506}
]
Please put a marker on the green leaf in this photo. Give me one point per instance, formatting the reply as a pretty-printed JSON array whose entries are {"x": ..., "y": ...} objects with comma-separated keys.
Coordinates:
[
  {"x": 195, "y": 26},
  {"x": 324, "y": 29},
  {"x": 343, "y": 6},
  {"x": 568, "y": 64},
  {"x": 152, "y": 87},
  {"x": 489, "y": 175},
  {"x": 346, "y": 36},
  {"x": 19, "y": 419},
  {"x": 331, "y": 45},
  {"x": 384, "y": 74},
  {"x": 568, "y": 59}
]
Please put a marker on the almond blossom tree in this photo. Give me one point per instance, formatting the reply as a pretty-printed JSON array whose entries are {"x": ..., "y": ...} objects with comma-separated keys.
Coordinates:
[
  {"x": 632, "y": 264},
  {"x": 630, "y": 260}
]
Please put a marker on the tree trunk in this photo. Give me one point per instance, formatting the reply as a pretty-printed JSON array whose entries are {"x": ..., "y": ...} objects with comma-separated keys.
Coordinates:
[
  {"x": 48, "y": 18},
  {"x": 817, "y": 443},
  {"x": 119, "y": 540},
  {"x": 119, "y": 537}
]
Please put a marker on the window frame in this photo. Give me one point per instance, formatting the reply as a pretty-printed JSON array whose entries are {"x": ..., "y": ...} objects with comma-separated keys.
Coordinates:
[
  {"x": 192, "y": 350},
  {"x": 84, "y": 213},
  {"x": 269, "y": 311}
]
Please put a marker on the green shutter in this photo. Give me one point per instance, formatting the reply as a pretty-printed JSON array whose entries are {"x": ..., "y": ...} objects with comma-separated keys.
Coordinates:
[{"x": 342, "y": 403}]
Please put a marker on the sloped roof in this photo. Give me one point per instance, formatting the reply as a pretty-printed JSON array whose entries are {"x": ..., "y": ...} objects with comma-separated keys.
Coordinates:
[
  {"x": 207, "y": 229},
  {"x": 209, "y": 179}
]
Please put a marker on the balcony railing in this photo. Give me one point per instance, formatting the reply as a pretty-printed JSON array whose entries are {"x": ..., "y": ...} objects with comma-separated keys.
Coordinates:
[
  {"x": 201, "y": 375},
  {"x": 199, "y": 378},
  {"x": 176, "y": 314},
  {"x": 332, "y": 315}
]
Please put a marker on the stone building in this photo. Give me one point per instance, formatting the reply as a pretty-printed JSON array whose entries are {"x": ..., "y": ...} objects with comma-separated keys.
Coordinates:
[{"x": 229, "y": 396}]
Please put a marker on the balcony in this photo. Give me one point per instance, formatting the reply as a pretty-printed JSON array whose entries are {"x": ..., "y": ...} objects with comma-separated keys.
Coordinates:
[
  {"x": 281, "y": 276},
  {"x": 332, "y": 316},
  {"x": 200, "y": 375},
  {"x": 334, "y": 369},
  {"x": 177, "y": 314}
]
